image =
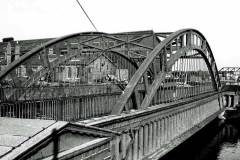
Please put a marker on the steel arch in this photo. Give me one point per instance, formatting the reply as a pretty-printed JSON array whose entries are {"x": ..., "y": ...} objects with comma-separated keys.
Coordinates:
[{"x": 204, "y": 50}]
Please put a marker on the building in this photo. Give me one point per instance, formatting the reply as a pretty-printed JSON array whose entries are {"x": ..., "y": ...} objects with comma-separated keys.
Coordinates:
[{"x": 85, "y": 68}]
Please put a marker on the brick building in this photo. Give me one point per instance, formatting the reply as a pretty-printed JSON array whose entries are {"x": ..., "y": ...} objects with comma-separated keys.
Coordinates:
[{"x": 81, "y": 68}]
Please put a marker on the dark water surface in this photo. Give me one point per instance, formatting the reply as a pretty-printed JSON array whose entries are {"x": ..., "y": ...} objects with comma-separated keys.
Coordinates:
[{"x": 217, "y": 141}]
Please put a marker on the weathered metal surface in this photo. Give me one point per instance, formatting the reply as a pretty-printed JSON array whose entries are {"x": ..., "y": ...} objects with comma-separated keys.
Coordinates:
[
  {"x": 171, "y": 89},
  {"x": 194, "y": 40},
  {"x": 65, "y": 108}
]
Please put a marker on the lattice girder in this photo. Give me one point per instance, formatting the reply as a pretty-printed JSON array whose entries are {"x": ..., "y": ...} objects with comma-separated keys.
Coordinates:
[{"x": 177, "y": 45}]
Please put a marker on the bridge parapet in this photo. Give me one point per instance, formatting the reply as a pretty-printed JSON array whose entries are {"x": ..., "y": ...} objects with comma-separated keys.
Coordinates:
[{"x": 152, "y": 132}]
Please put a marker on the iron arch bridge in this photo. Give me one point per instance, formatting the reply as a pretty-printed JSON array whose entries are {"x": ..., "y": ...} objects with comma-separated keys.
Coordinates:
[
  {"x": 145, "y": 92},
  {"x": 126, "y": 71}
]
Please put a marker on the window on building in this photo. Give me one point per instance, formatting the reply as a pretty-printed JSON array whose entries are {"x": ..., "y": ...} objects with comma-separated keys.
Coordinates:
[
  {"x": 63, "y": 51},
  {"x": 106, "y": 44},
  {"x": 78, "y": 72},
  {"x": 96, "y": 43},
  {"x": 111, "y": 43},
  {"x": 69, "y": 72},
  {"x": 85, "y": 46},
  {"x": 90, "y": 70},
  {"x": 19, "y": 71},
  {"x": 51, "y": 51},
  {"x": 61, "y": 69}
]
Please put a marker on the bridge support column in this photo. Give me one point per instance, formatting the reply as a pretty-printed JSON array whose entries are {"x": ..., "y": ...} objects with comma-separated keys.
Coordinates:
[
  {"x": 145, "y": 141},
  {"x": 140, "y": 137},
  {"x": 150, "y": 136},
  {"x": 124, "y": 145},
  {"x": 231, "y": 99},
  {"x": 115, "y": 147},
  {"x": 174, "y": 125},
  {"x": 158, "y": 133},
  {"x": 155, "y": 131},
  {"x": 164, "y": 133},
  {"x": 135, "y": 145},
  {"x": 225, "y": 101},
  {"x": 130, "y": 151}
]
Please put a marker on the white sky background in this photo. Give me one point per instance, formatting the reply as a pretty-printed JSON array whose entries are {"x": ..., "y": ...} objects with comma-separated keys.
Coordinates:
[{"x": 218, "y": 20}]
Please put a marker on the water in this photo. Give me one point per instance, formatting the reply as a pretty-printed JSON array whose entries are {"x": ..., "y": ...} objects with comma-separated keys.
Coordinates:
[{"x": 217, "y": 141}]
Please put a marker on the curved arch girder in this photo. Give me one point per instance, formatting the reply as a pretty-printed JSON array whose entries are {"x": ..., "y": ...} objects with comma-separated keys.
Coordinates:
[{"x": 168, "y": 51}]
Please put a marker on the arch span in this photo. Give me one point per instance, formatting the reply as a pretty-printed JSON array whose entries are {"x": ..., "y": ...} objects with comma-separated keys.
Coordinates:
[{"x": 177, "y": 45}]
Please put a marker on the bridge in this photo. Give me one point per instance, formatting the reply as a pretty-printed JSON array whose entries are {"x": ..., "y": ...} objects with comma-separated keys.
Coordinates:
[{"x": 131, "y": 95}]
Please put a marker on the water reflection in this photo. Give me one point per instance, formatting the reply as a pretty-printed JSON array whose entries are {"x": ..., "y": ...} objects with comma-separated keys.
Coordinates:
[{"x": 215, "y": 142}]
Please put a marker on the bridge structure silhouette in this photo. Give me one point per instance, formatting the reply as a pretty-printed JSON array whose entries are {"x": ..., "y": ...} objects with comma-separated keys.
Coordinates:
[{"x": 131, "y": 95}]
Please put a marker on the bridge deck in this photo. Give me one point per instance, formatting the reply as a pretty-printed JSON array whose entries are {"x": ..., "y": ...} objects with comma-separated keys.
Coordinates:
[
  {"x": 19, "y": 137},
  {"x": 16, "y": 134}
]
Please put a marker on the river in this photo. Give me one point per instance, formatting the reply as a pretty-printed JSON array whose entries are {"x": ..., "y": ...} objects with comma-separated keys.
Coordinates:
[{"x": 217, "y": 141}]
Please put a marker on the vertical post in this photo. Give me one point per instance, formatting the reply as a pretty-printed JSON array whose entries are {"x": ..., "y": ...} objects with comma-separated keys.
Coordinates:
[
  {"x": 159, "y": 133},
  {"x": 150, "y": 136},
  {"x": 17, "y": 51},
  {"x": 163, "y": 59},
  {"x": 123, "y": 145},
  {"x": 8, "y": 53},
  {"x": 141, "y": 137},
  {"x": 55, "y": 144},
  {"x": 145, "y": 140},
  {"x": 136, "y": 99},
  {"x": 188, "y": 39},
  {"x": 155, "y": 98},
  {"x": 60, "y": 109},
  {"x": 145, "y": 81},
  {"x": 117, "y": 141},
  {"x": 135, "y": 145},
  {"x": 155, "y": 132}
]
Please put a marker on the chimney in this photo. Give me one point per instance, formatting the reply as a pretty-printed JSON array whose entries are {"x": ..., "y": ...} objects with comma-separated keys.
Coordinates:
[
  {"x": 8, "y": 53},
  {"x": 17, "y": 51},
  {"x": 8, "y": 39}
]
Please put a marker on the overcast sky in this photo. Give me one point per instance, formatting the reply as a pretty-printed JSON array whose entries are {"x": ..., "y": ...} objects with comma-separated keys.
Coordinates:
[{"x": 218, "y": 20}]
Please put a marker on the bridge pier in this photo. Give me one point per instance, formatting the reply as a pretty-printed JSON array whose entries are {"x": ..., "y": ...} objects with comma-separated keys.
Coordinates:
[{"x": 231, "y": 99}]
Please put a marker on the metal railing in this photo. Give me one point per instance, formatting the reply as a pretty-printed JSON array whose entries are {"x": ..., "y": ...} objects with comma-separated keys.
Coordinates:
[{"x": 58, "y": 103}]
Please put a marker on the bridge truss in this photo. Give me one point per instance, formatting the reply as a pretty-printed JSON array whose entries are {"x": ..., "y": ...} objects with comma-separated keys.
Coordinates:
[
  {"x": 94, "y": 74},
  {"x": 152, "y": 90},
  {"x": 229, "y": 75}
]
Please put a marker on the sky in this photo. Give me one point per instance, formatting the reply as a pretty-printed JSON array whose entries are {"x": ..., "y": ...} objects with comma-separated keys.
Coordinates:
[{"x": 218, "y": 20}]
